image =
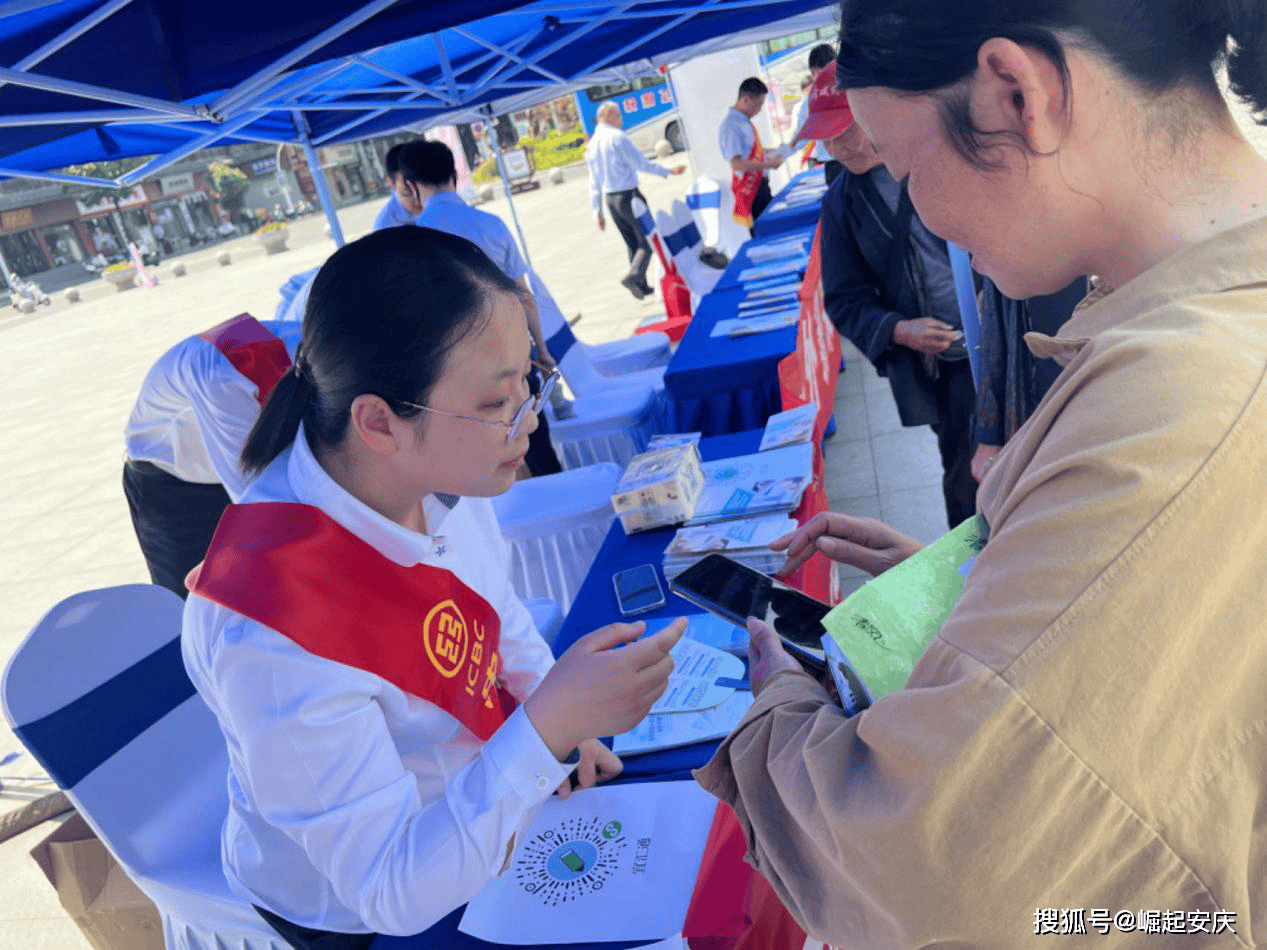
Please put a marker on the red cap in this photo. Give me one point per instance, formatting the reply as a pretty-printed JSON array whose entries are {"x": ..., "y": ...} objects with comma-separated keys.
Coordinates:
[{"x": 829, "y": 112}]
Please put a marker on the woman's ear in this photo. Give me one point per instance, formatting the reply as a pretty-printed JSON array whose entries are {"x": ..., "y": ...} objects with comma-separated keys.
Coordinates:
[
  {"x": 1019, "y": 89},
  {"x": 375, "y": 425}
]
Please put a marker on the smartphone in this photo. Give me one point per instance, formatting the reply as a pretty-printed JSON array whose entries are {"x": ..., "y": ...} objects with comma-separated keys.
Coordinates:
[
  {"x": 638, "y": 590},
  {"x": 735, "y": 592}
]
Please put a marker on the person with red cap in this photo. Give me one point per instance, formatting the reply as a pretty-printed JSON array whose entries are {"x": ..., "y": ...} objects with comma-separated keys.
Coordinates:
[{"x": 887, "y": 287}]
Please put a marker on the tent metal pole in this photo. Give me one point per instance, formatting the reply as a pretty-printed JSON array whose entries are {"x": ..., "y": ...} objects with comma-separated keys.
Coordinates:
[
  {"x": 348, "y": 126},
  {"x": 176, "y": 154},
  {"x": 261, "y": 79},
  {"x": 57, "y": 177},
  {"x": 502, "y": 51},
  {"x": 407, "y": 81},
  {"x": 319, "y": 178},
  {"x": 84, "y": 90},
  {"x": 74, "y": 118},
  {"x": 501, "y": 168},
  {"x": 446, "y": 65}
]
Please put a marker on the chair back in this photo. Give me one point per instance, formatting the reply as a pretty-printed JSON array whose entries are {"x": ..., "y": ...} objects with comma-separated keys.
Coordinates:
[
  {"x": 648, "y": 225},
  {"x": 704, "y": 199},
  {"x": 98, "y": 694},
  {"x": 294, "y": 294}
]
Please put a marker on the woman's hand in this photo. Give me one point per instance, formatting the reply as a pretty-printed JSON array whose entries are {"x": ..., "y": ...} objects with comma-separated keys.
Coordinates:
[
  {"x": 766, "y": 655},
  {"x": 864, "y": 543},
  {"x": 596, "y": 689},
  {"x": 982, "y": 459},
  {"x": 598, "y": 764}
]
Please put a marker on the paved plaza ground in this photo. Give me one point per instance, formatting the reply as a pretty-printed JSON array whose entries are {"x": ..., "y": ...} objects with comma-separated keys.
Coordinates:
[{"x": 70, "y": 372}]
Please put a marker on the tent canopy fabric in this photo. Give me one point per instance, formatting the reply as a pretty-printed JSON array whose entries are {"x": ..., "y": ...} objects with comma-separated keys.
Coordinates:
[{"x": 93, "y": 80}]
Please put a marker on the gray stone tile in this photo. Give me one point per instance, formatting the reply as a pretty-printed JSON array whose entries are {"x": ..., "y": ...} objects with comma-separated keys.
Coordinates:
[
  {"x": 850, "y": 580},
  {"x": 907, "y": 458},
  {"x": 882, "y": 414},
  {"x": 866, "y": 506},
  {"x": 917, "y": 512},
  {"x": 849, "y": 469}
]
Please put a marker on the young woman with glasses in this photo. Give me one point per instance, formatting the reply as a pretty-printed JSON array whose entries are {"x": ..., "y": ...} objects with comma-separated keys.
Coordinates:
[{"x": 393, "y": 719}]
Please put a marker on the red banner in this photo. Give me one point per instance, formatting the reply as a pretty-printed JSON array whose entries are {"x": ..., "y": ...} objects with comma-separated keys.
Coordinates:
[{"x": 810, "y": 374}]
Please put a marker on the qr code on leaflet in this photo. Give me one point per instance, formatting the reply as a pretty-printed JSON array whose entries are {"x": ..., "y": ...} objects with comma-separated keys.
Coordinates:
[{"x": 738, "y": 500}]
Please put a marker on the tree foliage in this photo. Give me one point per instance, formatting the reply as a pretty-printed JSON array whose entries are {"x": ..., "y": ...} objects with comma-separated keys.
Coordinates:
[{"x": 230, "y": 184}]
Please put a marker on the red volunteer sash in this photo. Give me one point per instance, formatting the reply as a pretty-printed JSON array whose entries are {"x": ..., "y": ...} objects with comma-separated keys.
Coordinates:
[
  {"x": 294, "y": 569},
  {"x": 744, "y": 187},
  {"x": 253, "y": 351}
]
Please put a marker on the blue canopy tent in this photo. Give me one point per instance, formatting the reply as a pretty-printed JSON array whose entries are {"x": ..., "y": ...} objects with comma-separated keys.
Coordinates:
[{"x": 94, "y": 80}]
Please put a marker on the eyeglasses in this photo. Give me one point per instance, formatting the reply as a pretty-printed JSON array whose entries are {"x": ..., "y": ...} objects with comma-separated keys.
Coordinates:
[{"x": 530, "y": 406}]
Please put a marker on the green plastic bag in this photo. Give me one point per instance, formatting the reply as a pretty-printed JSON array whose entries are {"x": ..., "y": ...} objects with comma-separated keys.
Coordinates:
[{"x": 884, "y": 627}]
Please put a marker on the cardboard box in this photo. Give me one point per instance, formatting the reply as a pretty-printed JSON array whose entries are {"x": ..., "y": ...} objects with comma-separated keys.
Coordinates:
[
  {"x": 110, "y": 910},
  {"x": 659, "y": 488}
]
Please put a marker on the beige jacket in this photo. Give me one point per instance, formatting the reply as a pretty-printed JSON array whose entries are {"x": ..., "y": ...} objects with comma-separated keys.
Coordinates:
[{"x": 1089, "y": 731}]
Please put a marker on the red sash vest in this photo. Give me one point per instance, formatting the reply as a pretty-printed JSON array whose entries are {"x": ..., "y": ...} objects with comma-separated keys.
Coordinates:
[
  {"x": 745, "y": 185},
  {"x": 296, "y": 570},
  {"x": 254, "y": 352}
]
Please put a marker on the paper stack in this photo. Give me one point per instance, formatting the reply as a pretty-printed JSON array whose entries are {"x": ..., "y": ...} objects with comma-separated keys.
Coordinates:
[
  {"x": 746, "y": 540},
  {"x": 763, "y": 483},
  {"x": 793, "y": 427}
]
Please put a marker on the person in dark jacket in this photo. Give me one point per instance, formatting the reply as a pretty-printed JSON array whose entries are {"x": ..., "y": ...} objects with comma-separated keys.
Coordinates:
[{"x": 887, "y": 287}]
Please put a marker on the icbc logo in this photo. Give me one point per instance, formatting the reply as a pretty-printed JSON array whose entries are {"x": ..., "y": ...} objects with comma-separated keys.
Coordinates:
[{"x": 444, "y": 636}]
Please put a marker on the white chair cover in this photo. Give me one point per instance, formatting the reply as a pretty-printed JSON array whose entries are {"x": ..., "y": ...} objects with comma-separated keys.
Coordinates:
[
  {"x": 682, "y": 238},
  {"x": 159, "y": 800},
  {"x": 704, "y": 199},
  {"x": 555, "y": 525},
  {"x": 547, "y": 617},
  {"x": 294, "y": 294},
  {"x": 611, "y": 426},
  {"x": 591, "y": 367}
]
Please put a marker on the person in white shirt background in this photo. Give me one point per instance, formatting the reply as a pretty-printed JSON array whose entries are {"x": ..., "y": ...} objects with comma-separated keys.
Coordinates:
[
  {"x": 183, "y": 443},
  {"x": 358, "y": 807},
  {"x": 403, "y": 206},
  {"x": 819, "y": 58},
  {"x": 614, "y": 161},
  {"x": 428, "y": 170}
]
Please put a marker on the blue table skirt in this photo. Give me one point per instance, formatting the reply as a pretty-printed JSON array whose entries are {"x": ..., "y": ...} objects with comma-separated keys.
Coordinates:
[
  {"x": 594, "y": 607},
  {"x": 718, "y": 385},
  {"x": 779, "y": 218}
]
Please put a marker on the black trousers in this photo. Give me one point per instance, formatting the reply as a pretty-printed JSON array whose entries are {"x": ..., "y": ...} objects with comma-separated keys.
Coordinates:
[
  {"x": 305, "y": 938},
  {"x": 759, "y": 202},
  {"x": 540, "y": 459},
  {"x": 174, "y": 521},
  {"x": 620, "y": 209},
  {"x": 957, "y": 406}
]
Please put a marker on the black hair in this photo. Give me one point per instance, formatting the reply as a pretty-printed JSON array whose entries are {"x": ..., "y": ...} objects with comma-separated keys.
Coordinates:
[
  {"x": 753, "y": 87},
  {"x": 428, "y": 163},
  {"x": 391, "y": 161},
  {"x": 383, "y": 314},
  {"x": 1161, "y": 46},
  {"x": 821, "y": 55}
]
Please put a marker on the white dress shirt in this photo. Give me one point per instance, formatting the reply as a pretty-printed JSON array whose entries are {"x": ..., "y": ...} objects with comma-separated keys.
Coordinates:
[
  {"x": 392, "y": 215},
  {"x": 354, "y": 806},
  {"x": 447, "y": 211},
  {"x": 736, "y": 135},
  {"x": 195, "y": 410},
  {"x": 614, "y": 162}
]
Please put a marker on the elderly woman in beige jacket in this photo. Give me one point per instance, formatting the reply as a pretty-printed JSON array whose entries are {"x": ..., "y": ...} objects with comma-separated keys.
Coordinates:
[{"x": 1083, "y": 748}]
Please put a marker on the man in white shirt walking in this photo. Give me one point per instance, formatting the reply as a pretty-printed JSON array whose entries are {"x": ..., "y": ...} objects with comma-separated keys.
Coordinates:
[{"x": 614, "y": 162}]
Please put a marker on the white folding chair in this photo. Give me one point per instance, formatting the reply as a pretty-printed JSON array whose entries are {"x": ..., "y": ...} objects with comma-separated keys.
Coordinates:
[
  {"x": 555, "y": 525},
  {"x": 611, "y": 426},
  {"x": 546, "y": 617},
  {"x": 98, "y": 693},
  {"x": 704, "y": 201},
  {"x": 682, "y": 240},
  {"x": 614, "y": 358},
  {"x": 294, "y": 295}
]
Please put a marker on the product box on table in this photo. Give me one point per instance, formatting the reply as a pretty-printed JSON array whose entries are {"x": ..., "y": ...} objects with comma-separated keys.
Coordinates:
[{"x": 659, "y": 488}]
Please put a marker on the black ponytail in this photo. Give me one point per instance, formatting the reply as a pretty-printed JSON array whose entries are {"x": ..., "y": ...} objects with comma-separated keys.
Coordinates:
[
  {"x": 278, "y": 422},
  {"x": 382, "y": 317}
]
